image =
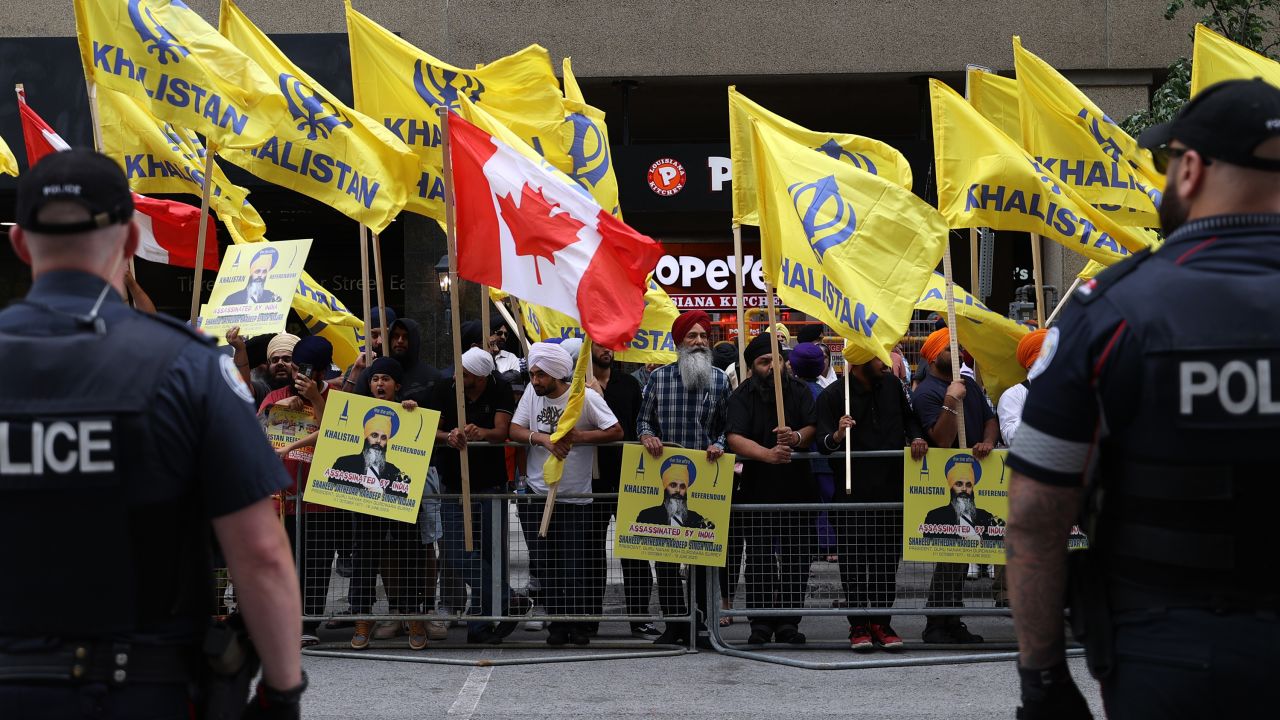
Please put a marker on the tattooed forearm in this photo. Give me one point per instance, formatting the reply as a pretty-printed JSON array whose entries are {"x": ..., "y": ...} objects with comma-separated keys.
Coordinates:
[{"x": 1040, "y": 518}]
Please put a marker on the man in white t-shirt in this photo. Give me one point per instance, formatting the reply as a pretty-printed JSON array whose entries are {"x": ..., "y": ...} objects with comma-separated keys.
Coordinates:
[{"x": 560, "y": 560}]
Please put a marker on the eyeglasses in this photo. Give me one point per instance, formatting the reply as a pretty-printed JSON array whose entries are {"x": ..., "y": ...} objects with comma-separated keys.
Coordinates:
[{"x": 1163, "y": 156}]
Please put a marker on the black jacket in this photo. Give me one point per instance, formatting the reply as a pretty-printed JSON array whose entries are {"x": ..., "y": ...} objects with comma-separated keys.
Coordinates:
[
  {"x": 355, "y": 464},
  {"x": 419, "y": 377},
  {"x": 884, "y": 420}
]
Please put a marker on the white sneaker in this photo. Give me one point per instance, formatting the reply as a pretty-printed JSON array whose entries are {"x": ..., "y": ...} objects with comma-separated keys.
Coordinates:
[
  {"x": 535, "y": 625},
  {"x": 437, "y": 630},
  {"x": 388, "y": 630}
]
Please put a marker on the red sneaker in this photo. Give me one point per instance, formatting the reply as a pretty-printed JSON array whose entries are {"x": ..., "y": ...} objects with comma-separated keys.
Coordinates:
[
  {"x": 885, "y": 637},
  {"x": 860, "y": 639}
]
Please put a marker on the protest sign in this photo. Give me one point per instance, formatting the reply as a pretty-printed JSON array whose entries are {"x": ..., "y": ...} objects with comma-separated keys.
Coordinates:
[
  {"x": 674, "y": 508},
  {"x": 254, "y": 288}
]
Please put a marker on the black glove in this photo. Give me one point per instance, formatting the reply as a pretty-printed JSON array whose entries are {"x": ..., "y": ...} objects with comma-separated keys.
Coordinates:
[
  {"x": 272, "y": 704},
  {"x": 1051, "y": 695}
]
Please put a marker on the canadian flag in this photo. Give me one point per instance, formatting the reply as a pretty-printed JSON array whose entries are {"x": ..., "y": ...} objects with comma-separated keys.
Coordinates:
[
  {"x": 168, "y": 230},
  {"x": 527, "y": 229}
]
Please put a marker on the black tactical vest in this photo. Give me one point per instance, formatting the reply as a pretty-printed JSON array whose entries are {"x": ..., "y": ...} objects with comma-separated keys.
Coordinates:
[
  {"x": 95, "y": 540},
  {"x": 1188, "y": 485}
]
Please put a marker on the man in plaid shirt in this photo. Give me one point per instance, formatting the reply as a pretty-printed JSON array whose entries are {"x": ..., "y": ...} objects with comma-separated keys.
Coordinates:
[{"x": 685, "y": 404}]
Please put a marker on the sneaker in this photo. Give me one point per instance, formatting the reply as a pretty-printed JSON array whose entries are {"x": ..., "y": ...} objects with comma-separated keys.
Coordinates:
[
  {"x": 675, "y": 634},
  {"x": 558, "y": 637},
  {"x": 535, "y": 625},
  {"x": 360, "y": 638},
  {"x": 860, "y": 638},
  {"x": 885, "y": 637},
  {"x": 936, "y": 633},
  {"x": 484, "y": 636},
  {"x": 592, "y": 629},
  {"x": 437, "y": 630},
  {"x": 580, "y": 636},
  {"x": 417, "y": 635},
  {"x": 519, "y": 605},
  {"x": 388, "y": 630},
  {"x": 960, "y": 633},
  {"x": 645, "y": 631},
  {"x": 339, "y": 624},
  {"x": 760, "y": 635},
  {"x": 790, "y": 635},
  {"x": 309, "y": 639}
]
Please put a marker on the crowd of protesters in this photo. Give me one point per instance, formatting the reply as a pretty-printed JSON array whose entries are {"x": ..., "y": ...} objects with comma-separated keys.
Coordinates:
[{"x": 697, "y": 402}]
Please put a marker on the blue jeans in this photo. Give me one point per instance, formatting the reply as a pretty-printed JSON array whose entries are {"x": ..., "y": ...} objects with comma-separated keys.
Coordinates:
[{"x": 475, "y": 568}]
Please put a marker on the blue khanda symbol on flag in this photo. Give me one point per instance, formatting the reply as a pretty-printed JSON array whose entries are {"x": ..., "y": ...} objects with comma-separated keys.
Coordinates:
[
  {"x": 159, "y": 41},
  {"x": 314, "y": 114},
  {"x": 446, "y": 86},
  {"x": 590, "y": 152},
  {"x": 818, "y": 200},
  {"x": 346, "y": 411},
  {"x": 835, "y": 150}
]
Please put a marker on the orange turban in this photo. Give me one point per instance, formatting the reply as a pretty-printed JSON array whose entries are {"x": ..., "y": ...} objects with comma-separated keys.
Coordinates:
[
  {"x": 937, "y": 341},
  {"x": 1029, "y": 347}
]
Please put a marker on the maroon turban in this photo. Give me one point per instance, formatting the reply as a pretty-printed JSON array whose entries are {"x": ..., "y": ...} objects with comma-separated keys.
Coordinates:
[{"x": 685, "y": 323}]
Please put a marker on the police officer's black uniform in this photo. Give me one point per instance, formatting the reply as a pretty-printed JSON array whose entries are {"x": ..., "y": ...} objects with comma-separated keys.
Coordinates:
[
  {"x": 121, "y": 435},
  {"x": 1157, "y": 393}
]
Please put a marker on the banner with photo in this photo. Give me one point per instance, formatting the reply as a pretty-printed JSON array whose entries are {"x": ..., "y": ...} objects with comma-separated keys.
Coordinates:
[
  {"x": 674, "y": 508},
  {"x": 285, "y": 427},
  {"x": 254, "y": 288}
]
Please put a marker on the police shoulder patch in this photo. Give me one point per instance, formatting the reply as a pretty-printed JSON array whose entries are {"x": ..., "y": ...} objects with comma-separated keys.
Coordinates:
[
  {"x": 232, "y": 377},
  {"x": 1047, "y": 350}
]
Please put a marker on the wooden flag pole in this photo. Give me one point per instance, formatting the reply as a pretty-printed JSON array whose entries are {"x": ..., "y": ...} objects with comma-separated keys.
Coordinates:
[
  {"x": 777, "y": 356},
  {"x": 197, "y": 286},
  {"x": 364, "y": 290},
  {"x": 953, "y": 332},
  {"x": 451, "y": 236},
  {"x": 484, "y": 317},
  {"x": 502, "y": 310},
  {"x": 382, "y": 298},
  {"x": 92, "y": 87},
  {"x": 554, "y": 490},
  {"x": 737, "y": 288},
  {"x": 1037, "y": 272},
  {"x": 848, "y": 434},
  {"x": 1063, "y": 302}
]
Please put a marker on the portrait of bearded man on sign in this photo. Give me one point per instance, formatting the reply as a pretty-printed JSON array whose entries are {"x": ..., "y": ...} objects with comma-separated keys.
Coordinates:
[
  {"x": 255, "y": 290},
  {"x": 678, "y": 474},
  {"x": 370, "y": 469},
  {"x": 961, "y": 518}
]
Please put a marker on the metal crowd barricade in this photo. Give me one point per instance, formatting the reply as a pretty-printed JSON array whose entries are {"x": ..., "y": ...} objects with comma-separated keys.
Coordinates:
[{"x": 422, "y": 573}]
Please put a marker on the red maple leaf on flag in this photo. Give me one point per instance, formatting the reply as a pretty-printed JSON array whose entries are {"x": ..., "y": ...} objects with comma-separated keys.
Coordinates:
[{"x": 535, "y": 228}]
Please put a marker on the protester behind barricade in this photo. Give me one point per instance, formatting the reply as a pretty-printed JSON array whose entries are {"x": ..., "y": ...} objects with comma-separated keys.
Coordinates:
[
  {"x": 324, "y": 531},
  {"x": 1009, "y": 409},
  {"x": 764, "y": 446},
  {"x": 622, "y": 393},
  {"x": 562, "y": 559},
  {"x": 869, "y": 542},
  {"x": 245, "y": 365},
  {"x": 808, "y": 361},
  {"x": 381, "y": 544},
  {"x": 406, "y": 348},
  {"x": 506, "y": 362},
  {"x": 941, "y": 403},
  {"x": 685, "y": 404},
  {"x": 489, "y": 406}
]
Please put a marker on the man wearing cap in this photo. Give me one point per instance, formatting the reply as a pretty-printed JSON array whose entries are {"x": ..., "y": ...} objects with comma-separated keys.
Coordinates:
[
  {"x": 255, "y": 289},
  {"x": 1155, "y": 414},
  {"x": 561, "y": 561},
  {"x": 942, "y": 403},
  {"x": 489, "y": 405},
  {"x": 138, "y": 464},
  {"x": 685, "y": 404}
]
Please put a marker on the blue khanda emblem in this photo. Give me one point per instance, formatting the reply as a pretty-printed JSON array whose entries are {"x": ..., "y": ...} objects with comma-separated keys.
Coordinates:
[
  {"x": 346, "y": 412},
  {"x": 159, "y": 41},
  {"x": 446, "y": 86},
  {"x": 827, "y": 219},
  {"x": 589, "y": 151},
  {"x": 314, "y": 114},
  {"x": 835, "y": 150}
]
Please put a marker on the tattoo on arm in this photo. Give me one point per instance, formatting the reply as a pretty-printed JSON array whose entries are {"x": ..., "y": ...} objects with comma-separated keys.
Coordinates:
[{"x": 1040, "y": 518}]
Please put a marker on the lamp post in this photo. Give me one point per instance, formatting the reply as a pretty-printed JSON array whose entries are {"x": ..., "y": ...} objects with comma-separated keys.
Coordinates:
[{"x": 442, "y": 275}]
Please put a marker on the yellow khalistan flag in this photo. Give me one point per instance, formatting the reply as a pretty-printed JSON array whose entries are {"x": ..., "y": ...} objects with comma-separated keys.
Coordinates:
[
  {"x": 553, "y": 468},
  {"x": 167, "y": 57},
  {"x": 328, "y": 151},
  {"x": 996, "y": 99},
  {"x": 986, "y": 180},
  {"x": 855, "y": 151},
  {"x": 1215, "y": 58},
  {"x": 585, "y": 138},
  {"x": 651, "y": 344},
  {"x": 8, "y": 163},
  {"x": 991, "y": 338},
  {"x": 159, "y": 158},
  {"x": 841, "y": 244},
  {"x": 402, "y": 86},
  {"x": 1070, "y": 137}
]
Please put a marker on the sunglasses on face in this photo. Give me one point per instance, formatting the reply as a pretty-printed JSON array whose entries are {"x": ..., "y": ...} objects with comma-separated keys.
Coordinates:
[{"x": 1163, "y": 156}]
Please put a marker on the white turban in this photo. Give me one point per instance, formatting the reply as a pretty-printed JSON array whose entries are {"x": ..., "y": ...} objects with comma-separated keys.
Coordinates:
[
  {"x": 478, "y": 362},
  {"x": 573, "y": 346},
  {"x": 283, "y": 341},
  {"x": 551, "y": 359}
]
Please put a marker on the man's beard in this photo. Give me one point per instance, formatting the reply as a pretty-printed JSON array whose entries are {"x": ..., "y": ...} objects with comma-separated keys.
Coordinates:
[
  {"x": 964, "y": 506},
  {"x": 1172, "y": 213},
  {"x": 695, "y": 368},
  {"x": 677, "y": 507},
  {"x": 375, "y": 458},
  {"x": 275, "y": 382},
  {"x": 256, "y": 288}
]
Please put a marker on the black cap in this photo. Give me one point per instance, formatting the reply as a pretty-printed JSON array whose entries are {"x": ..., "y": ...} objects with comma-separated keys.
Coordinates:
[
  {"x": 88, "y": 178},
  {"x": 1226, "y": 121}
]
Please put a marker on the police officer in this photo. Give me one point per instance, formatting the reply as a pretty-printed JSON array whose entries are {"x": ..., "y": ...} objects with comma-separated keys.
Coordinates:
[
  {"x": 123, "y": 436},
  {"x": 1154, "y": 408}
]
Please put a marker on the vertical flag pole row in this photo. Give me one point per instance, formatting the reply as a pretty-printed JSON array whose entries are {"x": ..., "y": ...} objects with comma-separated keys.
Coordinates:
[
  {"x": 954, "y": 333},
  {"x": 777, "y": 355},
  {"x": 364, "y": 289},
  {"x": 1037, "y": 270},
  {"x": 451, "y": 235},
  {"x": 737, "y": 288},
  {"x": 484, "y": 318},
  {"x": 848, "y": 435},
  {"x": 198, "y": 285},
  {"x": 382, "y": 298}
]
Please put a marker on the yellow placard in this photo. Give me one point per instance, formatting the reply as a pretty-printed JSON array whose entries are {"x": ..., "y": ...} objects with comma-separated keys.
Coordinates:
[
  {"x": 650, "y": 489},
  {"x": 285, "y": 427},
  {"x": 254, "y": 288},
  {"x": 349, "y": 472}
]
